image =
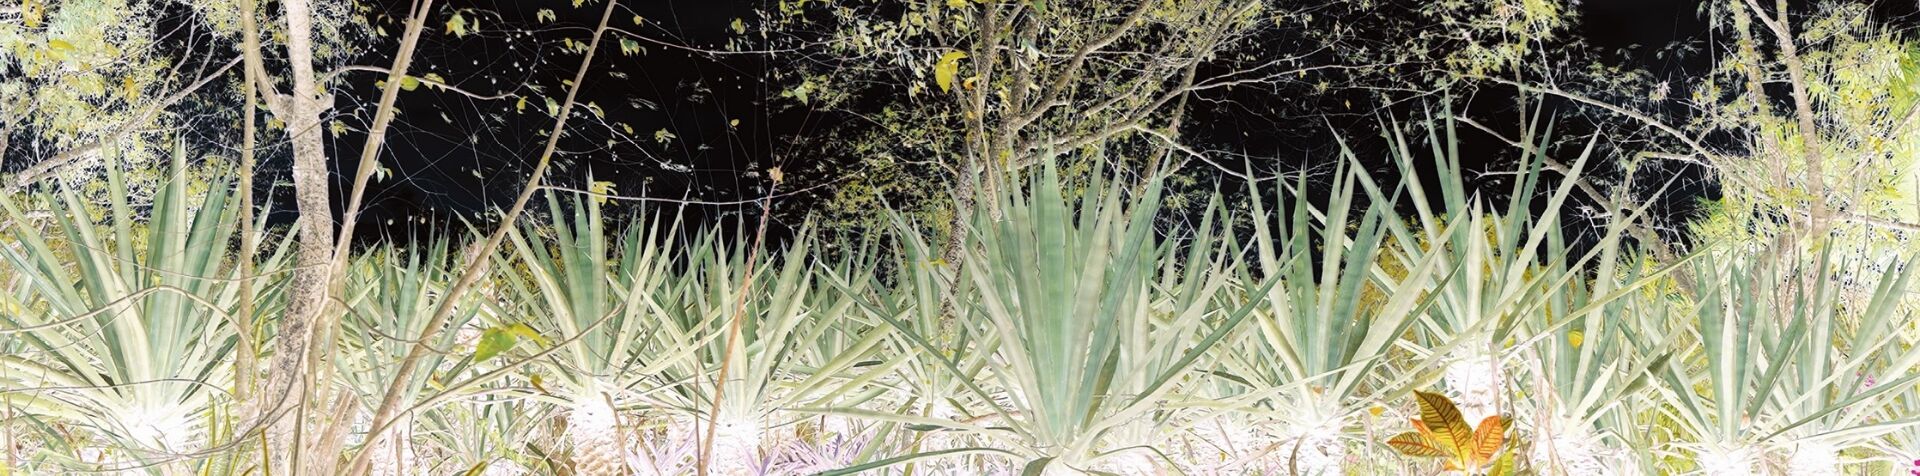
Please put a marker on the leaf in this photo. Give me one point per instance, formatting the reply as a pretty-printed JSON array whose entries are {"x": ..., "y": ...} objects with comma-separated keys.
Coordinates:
[
  {"x": 545, "y": 15},
  {"x": 478, "y": 468},
  {"x": 1575, "y": 338},
  {"x": 526, "y": 332},
  {"x": 520, "y": 106},
  {"x": 32, "y": 11},
  {"x": 1415, "y": 444},
  {"x": 1449, "y": 429},
  {"x": 1502, "y": 466},
  {"x": 1487, "y": 439},
  {"x": 739, "y": 27},
  {"x": 948, "y": 66},
  {"x": 492, "y": 342},
  {"x": 457, "y": 25},
  {"x": 1036, "y": 467},
  {"x": 600, "y": 191},
  {"x": 409, "y": 83},
  {"x": 662, "y": 136},
  {"x": 60, "y": 45}
]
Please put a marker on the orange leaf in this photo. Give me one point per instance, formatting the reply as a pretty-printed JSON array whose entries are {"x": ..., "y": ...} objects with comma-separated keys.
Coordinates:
[
  {"x": 1415, "y": 444},
  {"x": 1487, "y": 439}
]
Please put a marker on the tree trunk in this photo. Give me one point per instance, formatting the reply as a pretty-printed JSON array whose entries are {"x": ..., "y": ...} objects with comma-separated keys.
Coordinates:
[{"x": 301, "y": 110}]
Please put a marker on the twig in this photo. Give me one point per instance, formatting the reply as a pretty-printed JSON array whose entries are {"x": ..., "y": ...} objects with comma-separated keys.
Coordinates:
[{"x": 733, "y": 332}]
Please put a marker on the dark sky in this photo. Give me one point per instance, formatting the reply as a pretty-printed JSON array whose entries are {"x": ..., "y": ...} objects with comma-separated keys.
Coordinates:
[{"x": 451, "y": 154}]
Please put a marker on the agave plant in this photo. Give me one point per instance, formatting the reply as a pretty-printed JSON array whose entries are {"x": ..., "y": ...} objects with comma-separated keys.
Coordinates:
[
  {"x": 644, "y": 330},
  {"x": 597, "y": 306},
  {"x": 489, "y": 434},
  {"x": 1501, "y": 277},
  {"x": 392, "y": 293},
  {"x": 1090, "y": 332},
  {"x": 791, "y": 350},
  {"x": 928, "y": 366},
  {"x": 1308, "y": 361},
  {"x": 1782, "y": 382},
  {"x": 1588, "y": 376},
  {"x": 126, "y": 328}
]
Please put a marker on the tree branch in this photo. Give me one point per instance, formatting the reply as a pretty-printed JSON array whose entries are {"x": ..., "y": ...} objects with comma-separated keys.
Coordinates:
[{"x": 59, "y": 163}]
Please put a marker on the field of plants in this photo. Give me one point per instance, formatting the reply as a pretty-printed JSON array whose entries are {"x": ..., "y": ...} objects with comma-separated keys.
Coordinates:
[{"x": 1075, "y": 335}]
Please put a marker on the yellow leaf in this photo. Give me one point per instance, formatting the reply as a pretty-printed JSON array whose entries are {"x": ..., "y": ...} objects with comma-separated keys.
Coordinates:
[
  {"x": 32, "y": 11},
  {"x": 948, "y": 66},
  {"x": 1450, "y": 430},
  {"x": 457, "y": 25},
  {"x": 1575, "y": 338},
  {"x": 60, "y": 45},
  {"x": 776, "y": 175},
  {"x": 600, "y": 191},
  {"x": 1415, "y": 444},
  {"x": 520, "y": 106},
  {"x": 492, "y": 342}
]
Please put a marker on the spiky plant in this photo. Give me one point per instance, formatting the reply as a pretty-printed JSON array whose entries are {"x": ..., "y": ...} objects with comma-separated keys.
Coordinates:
[
  {"x": 927, "y": 368},
  {"x": 641, "y": 328},
  {"x": 126, "y": 322},
  {"x": 792, "y": 350},
  {"x": 1588, "y": 376},
  {"x": 597, "y": 305},
  {"x": 1093, "y": 332},
  {"x": 1779, "y": 379},
  {"x": 391, "y": 293},
  {"x": 1504, "y": 276},
  {"x": 1307, "y": 362}
]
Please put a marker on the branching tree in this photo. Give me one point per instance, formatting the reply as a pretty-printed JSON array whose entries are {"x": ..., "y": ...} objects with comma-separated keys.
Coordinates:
[{"x": 1001, "y": 85}]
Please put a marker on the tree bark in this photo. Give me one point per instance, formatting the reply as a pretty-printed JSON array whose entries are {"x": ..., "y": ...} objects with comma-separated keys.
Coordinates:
[{"x": 302, "y": 110}]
